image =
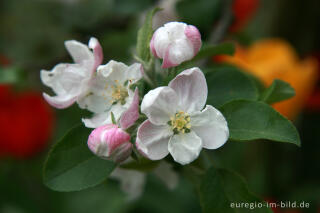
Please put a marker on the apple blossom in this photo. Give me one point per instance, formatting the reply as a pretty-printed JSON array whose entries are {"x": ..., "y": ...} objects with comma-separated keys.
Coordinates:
[
  {"x": 110, "y": 92},
  {"x": 175, "y": 43},
  {"x": 71, "y": 82},
  {"x": 177, "y": 123}
]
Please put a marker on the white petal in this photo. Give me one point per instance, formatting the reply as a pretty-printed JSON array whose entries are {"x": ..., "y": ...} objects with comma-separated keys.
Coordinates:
[
  {"x": 132, "y": 182},
  {"x": 152, "y": 140},
  {"x": 97, "y": 120},
  {"x": 64, "y": 79},
  {"x": 159, "y": 105},
  {"x": 211, "y": 127},
  {"x": 114, "y": 71},
  {"x": 98, "y": 98},
  {"x": 94, "y": 102},
  {"x": 50, "y": 78},
  {"x": 59, "y": 102},
  {"x": 167, "y": 63},
  {"x": 134, "y": 73},
  {"x": 161, "y": 41},
  {"x": 185, "y": 148},
  {"x": 191, "y": 89},
  {"x": 180, "y": 51},
  {"x": 175, "y": 30},
  {"x": 79, "y": 52},
  {"x": 100, "y": 119}
]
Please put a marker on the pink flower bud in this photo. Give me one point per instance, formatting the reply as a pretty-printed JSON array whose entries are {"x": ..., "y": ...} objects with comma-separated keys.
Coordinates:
[
  {"x": 175, "y": 43},
  {"x": 110, "y": 142}
]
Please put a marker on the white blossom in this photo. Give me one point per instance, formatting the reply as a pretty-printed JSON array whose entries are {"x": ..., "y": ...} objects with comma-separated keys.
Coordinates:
[
  {"x": 110, "y": 92},
  {"x": 177, "y": 123},
  {"x": 71, "y": 82}
]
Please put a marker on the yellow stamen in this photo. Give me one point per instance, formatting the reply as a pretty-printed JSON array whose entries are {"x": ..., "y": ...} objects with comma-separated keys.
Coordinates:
[
  {"x": 180, "y": 123},
  {"x": 119, "y": 93}
]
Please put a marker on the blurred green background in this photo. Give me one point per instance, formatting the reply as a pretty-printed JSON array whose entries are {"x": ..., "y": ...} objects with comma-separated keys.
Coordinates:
[{"x": 32, "y": 33}]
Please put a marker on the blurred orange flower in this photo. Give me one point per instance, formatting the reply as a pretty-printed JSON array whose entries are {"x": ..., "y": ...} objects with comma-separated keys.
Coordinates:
[{"x": 276, "y": 59}]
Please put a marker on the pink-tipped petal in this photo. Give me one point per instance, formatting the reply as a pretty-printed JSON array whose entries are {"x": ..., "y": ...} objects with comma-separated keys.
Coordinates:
[
  {"x": 152, "y": 48},
  {"x": 58, "y": 102},
  {"x": 167, "y": 63},
  {"x": 97, "y": 52},
  {"x": 130, "y": 116},
  {"x": 194, "y": 36}
]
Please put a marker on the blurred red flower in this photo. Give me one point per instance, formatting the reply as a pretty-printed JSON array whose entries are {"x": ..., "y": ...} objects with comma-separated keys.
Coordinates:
[
  {"x": 242, "y": 11},
  {"x": 26, "y": 121}
]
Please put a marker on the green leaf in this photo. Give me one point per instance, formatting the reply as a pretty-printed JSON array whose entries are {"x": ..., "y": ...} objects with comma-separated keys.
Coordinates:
[
  {"x": 278, "y": 91},
  {"x": 220, "y": 189},
  {"x": 227, "y": 83},
  {"x": 226, "y": 48},
  {"x": 144, "y": 37},
  {"x": 71, "y": 166},
  {"x": 251, "y": 120},
  {"x": 257, "y": 82}
]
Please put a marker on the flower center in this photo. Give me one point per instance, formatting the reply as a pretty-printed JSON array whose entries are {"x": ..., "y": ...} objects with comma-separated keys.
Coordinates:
[
  {"x": 180, "y": 122},
  {"x": 119, "y": 93}
]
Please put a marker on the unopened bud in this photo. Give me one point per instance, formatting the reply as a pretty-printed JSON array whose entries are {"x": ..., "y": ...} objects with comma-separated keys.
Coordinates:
[
  {"x": 175, "y": 43},
  {"x": 110, "y": 142}
]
